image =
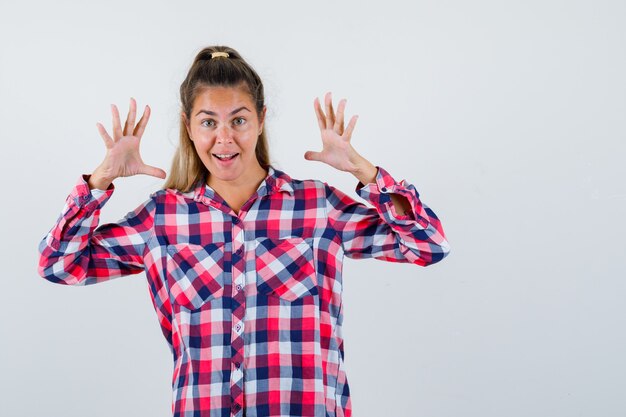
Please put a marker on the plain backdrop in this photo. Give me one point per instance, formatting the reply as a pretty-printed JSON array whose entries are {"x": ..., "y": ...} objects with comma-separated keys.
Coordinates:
[{"x": 507, "y": 116}]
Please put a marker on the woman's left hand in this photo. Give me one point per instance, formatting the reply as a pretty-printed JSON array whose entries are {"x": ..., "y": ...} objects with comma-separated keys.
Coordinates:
[{"x": 337, "y": 150}]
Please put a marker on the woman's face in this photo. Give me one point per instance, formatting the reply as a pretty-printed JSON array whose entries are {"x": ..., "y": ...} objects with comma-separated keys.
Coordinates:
[{"x": 224, "y": 122}]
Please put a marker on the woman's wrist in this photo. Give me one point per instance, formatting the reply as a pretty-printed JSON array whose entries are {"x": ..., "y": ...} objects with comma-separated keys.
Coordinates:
[
  {"x": 98, "y": 181},
  {"x": 365, "y": 171}
]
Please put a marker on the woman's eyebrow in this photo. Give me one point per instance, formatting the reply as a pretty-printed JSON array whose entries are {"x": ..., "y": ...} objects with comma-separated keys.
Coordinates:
[{"x": 215, "y": 114}]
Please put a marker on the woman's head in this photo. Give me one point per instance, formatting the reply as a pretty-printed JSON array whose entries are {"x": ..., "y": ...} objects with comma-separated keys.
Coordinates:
[{"x": 218, "y": 85}]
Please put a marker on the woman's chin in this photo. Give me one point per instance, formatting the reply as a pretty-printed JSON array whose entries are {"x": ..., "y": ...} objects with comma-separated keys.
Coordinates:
[{"x": 234, "y": 170}]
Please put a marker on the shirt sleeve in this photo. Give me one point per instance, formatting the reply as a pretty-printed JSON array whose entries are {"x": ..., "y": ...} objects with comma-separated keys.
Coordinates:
[
  {"x": 380, "y": 232},
  {"x": 78, "y": 252}
]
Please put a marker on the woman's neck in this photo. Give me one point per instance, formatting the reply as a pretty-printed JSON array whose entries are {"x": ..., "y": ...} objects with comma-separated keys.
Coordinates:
[{"x": 236, "y": 193}]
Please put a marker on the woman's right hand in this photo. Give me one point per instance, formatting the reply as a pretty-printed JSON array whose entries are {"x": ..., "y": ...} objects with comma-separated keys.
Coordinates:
[{"x": 122, "y": 157}]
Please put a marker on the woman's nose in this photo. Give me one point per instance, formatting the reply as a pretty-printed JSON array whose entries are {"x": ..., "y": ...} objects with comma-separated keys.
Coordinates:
[{"x": 224, "y": 134}]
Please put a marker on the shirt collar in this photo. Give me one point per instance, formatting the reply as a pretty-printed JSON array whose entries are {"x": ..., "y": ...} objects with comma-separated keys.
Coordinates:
[{"x": 276, "y": 180}]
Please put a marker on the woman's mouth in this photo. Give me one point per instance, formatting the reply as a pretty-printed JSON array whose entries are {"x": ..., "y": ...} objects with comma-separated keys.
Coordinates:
[{"x": 225, "y": 157}]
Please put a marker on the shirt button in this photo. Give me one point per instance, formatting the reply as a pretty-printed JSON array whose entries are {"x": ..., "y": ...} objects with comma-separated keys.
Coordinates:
[
  {"x": 384, "y": 189},
  {"x": 237, "y": 327},
  {"x": 240, "y": 250},
  {"x": 238, "y": 287},
  {"x": 85, "y": 197},
  {"x": 237, "y": 365},
  {"x": 235, "y": 220},
  {"x": 236, "y": 406}
]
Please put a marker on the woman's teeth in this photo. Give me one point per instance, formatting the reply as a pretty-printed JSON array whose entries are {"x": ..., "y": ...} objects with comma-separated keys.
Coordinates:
[{"x": 225, "y": 156}]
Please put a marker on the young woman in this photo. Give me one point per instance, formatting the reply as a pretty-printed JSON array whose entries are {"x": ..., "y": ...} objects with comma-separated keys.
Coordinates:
[{"x": 243, "y": 262}]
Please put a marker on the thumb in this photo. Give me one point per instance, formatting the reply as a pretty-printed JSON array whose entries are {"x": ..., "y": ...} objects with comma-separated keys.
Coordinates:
[
  {"x": 153, "y": 171},
  {"x": 312, "y": 156}
]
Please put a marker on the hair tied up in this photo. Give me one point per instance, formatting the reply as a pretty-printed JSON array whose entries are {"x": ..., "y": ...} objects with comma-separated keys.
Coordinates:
[{"x": 218, "y": 54}]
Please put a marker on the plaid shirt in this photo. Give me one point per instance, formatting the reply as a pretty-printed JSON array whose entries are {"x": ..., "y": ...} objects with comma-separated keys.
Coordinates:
[{"x": 249, "y": 303}]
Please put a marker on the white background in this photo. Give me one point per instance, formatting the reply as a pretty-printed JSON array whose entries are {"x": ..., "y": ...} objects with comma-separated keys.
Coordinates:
[{"x": 508, "y": 117}]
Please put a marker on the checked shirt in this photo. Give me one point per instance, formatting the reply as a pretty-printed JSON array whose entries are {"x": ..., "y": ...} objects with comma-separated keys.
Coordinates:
[{"x": 250, "y": 303}]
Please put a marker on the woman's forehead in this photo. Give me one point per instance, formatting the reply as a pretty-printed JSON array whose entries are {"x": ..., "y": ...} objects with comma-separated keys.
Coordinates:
[{"x": 223, "y": 98}]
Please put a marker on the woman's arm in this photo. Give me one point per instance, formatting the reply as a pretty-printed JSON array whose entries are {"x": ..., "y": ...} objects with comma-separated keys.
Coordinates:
[
  {"x": 406, "y": 230},
  {"x": 77, "y": 252}
]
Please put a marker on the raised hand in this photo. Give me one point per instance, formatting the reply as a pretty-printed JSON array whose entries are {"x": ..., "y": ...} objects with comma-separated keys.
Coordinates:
[
  {"x": 122, "y": 155},
  {"x": 337, "y": 151}
]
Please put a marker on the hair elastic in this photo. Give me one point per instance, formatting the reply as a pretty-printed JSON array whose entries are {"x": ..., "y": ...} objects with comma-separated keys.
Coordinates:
[{"x": 216, "y": 54}]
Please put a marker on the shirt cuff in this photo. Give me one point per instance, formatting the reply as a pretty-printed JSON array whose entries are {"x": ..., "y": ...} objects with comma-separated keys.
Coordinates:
[
  {"x": 378, "y": 194},
  {"x": 82, "y": 196}
]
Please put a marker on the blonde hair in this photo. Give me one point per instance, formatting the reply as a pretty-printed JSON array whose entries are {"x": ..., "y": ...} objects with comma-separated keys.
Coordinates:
[{"x": 187, "y": 167}]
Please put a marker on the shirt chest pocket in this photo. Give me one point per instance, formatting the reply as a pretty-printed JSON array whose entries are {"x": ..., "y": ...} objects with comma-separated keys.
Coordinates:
[
  {"x": 285, "y": 268},
  {"x": 195, "y": 273}
]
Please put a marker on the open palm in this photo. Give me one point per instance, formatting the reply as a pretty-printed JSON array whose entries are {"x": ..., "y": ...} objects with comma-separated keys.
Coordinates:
[
  {"x": 122, "y": 157},
  {"x": 337, "y": 151}
]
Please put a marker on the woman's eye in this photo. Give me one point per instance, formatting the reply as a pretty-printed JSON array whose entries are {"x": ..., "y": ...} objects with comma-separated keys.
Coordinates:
[
  {"x": 241, "y": 121},
  {"x": 207, "y": 121}
]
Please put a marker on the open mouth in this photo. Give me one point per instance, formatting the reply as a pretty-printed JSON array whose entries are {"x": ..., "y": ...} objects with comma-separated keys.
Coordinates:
[{"x": 225, "y": 157}]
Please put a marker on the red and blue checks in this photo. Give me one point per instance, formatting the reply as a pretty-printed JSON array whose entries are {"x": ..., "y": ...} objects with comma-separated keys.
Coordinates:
[{"x": 250, "y": 303}]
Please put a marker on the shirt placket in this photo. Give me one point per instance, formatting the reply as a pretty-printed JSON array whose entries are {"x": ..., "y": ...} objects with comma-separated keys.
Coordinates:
[{"x": 238, "y": 314}]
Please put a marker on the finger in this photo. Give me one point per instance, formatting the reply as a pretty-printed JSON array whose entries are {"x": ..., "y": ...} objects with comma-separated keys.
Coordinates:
[
  {"x": 117, "y": 129},
  {"x": 152, "y": 171},
  {"x": 129, "y": 126},
  {"x": 108, "y": 142},
  {"x": 321, "y": 119},
  {"x": 312, "y": 156},
  {"x": 348, "y": 133},
  {"x": 330, "y": 115},
  {"x": 339, "y": 119},
  {"x": 141, "y": 126}
]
